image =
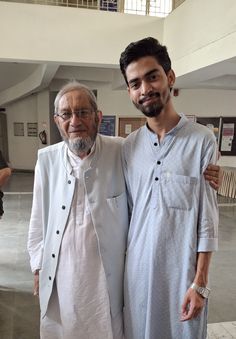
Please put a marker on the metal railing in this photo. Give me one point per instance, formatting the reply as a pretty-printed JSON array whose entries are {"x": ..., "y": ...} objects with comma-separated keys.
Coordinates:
[{"x": 160, "y": 8}]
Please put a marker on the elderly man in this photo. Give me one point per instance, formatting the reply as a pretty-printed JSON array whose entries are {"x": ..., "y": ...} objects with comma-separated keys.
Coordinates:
[
  {"x": 5, "y": 172},
  {"x": 174, "y": 219},
  {"x": 78, "y": 226}
]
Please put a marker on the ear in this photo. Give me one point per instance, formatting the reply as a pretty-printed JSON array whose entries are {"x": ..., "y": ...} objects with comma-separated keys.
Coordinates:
[
  {"x": 99, "y": 116},
  {"x": 55, "y": 118},
  {"x": 129, "y": 93},
  {"x": 171, "y": 78}
]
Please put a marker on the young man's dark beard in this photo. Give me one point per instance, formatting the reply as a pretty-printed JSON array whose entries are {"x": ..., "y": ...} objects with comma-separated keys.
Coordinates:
[{"x": 150, "y": 111}]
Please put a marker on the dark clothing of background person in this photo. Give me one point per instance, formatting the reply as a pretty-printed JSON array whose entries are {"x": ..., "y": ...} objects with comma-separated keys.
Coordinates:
[{"x": 3, "y": 164}]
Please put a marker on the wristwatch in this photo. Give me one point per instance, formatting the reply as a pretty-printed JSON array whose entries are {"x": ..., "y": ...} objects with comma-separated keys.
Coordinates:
[{"x": 203, "y": 291}]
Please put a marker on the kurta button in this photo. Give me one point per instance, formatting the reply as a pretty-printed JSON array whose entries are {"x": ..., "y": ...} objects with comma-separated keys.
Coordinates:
[
  {"x": 50, "y": 278},
  {"x": 53, "y": 255},
  {"x": 63, "y": 207},
  {"x": 57, "y": 232},
  {"x": 155, "y": 143},
  {"x": 158, "y": 162},
  {"x": 69, "y": 182},
  {"x": 156, "y": 178}
]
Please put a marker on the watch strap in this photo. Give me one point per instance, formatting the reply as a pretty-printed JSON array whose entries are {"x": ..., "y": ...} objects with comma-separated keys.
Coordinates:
[{"x": 203, "y": 291}]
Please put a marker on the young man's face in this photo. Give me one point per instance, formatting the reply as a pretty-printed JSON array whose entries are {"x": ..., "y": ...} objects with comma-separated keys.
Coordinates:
[
  {"x": 149, "y": 86},
  {"x": 78, "y": 132}
]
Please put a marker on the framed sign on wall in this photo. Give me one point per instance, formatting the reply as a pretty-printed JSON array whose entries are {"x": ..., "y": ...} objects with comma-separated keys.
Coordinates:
[
  {"x": 32, "y": 129},
  {"x": 19, "y": 129},
  {"x": 108, "y": 125}
]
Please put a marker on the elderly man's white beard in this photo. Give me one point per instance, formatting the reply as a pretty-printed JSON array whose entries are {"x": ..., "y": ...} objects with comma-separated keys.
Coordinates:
[{"x": 80, "y": 146}]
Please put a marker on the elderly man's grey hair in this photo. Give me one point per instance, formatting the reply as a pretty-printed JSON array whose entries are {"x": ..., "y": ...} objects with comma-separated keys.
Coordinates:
[{"x": 75, "y": 86}]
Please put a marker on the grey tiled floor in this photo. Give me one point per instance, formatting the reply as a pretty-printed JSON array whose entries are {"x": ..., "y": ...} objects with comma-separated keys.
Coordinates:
[{"x": 19, "y": 311}]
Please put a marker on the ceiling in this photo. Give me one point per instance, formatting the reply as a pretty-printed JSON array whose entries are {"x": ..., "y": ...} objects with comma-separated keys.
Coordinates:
[
  {"x": 218, "y": 76},
  {"x": 221, "y": 75},
  {"x": 12, "y": 73}
]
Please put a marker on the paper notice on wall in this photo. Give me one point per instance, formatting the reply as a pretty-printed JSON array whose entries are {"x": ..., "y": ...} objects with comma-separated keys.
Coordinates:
[
  {"x": 227, "y": 137},
  {"x": 128, "y": 128}
]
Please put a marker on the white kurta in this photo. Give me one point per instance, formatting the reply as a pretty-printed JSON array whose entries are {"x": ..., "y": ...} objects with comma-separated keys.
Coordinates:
[
  {"x": 174, "y": 216},
  {"x": 54, "y": 190},
  {"x": 79, "y": 306}
]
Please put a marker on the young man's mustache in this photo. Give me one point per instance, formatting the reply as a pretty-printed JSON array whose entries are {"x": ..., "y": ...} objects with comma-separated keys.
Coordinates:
[{"x": 148, "y": 96}]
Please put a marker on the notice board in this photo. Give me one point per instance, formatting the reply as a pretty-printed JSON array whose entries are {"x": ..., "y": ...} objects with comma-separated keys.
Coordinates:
[
  {"x": 228, "y": 136},
  {"x": 128, "y": 125}
]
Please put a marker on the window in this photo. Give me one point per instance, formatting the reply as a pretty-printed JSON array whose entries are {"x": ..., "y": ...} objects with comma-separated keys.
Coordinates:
[{"x": 159, "y": 8}]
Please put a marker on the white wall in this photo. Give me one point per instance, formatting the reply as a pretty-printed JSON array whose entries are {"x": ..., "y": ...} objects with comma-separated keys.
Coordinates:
[
  {"x": 22, "y": 149},
  {"x": 206, "y": 102},
  {"x": 200, "y": 33},
  {"x": 69, "y": 35},
  {"x": 34, "y": 108},
  {"x": 43, "y": 115}
]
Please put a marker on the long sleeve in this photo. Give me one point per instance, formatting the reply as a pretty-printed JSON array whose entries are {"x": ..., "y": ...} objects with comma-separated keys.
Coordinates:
[
  {"x": 208, "y": 208},
  {"x": 35, "y": 236}
]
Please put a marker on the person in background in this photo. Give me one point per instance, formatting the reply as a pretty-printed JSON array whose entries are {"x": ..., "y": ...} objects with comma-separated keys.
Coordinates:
[
  {"x": 79, "y": 222},
  {"x": 174, "y": 213},
  {"x": 5, "y": 173}
]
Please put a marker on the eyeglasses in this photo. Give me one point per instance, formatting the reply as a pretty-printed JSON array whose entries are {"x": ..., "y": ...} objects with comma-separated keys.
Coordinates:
[{"x": 82, "y": 114}]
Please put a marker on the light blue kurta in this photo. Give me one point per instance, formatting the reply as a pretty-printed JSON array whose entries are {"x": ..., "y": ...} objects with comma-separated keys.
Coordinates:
[{"x": 174, "y": 216}]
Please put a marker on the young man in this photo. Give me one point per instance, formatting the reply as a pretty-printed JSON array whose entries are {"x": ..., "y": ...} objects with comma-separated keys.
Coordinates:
[
  {"x": 78, "y": 226},
  {"x": 174, "y": 215}
]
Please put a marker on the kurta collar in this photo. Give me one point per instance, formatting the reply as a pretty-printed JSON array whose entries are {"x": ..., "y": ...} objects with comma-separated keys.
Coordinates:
[{"x": 183, "y": 120}]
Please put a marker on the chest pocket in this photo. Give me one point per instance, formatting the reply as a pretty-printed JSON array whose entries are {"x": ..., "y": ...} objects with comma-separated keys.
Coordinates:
[
  {"x": 117, "y": 203},
  {"x": 178, "y": 191}
]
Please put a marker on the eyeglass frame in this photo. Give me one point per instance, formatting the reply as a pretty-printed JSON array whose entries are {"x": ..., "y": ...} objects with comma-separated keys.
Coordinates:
[{"x": 89, "y": 112}]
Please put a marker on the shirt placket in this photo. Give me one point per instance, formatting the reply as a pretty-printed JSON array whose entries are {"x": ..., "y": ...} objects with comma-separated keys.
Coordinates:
[
  {"x": 80, "y": 204},
  {"x": 160, "y": 150},
  {"x": 156, "y": 172}
]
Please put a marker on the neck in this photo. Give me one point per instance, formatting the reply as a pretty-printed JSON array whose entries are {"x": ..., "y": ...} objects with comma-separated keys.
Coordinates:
[
  {"x": 81, "y": 155},
  {"x": 164, "y": 122}
]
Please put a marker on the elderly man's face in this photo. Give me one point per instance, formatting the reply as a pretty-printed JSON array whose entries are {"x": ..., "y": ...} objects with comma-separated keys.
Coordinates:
[{"x": 79, "y": 132}]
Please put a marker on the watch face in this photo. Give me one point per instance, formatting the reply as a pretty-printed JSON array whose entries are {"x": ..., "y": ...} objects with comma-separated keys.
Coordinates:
[{"x": 204, "y": 292}]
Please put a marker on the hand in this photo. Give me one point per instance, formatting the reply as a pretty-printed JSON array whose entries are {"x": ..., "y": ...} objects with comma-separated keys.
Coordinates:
[
  {"x": 192, "y": 305},
  {"x": 214, "y": 175},
  {"x": 36, "y": 283}
]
